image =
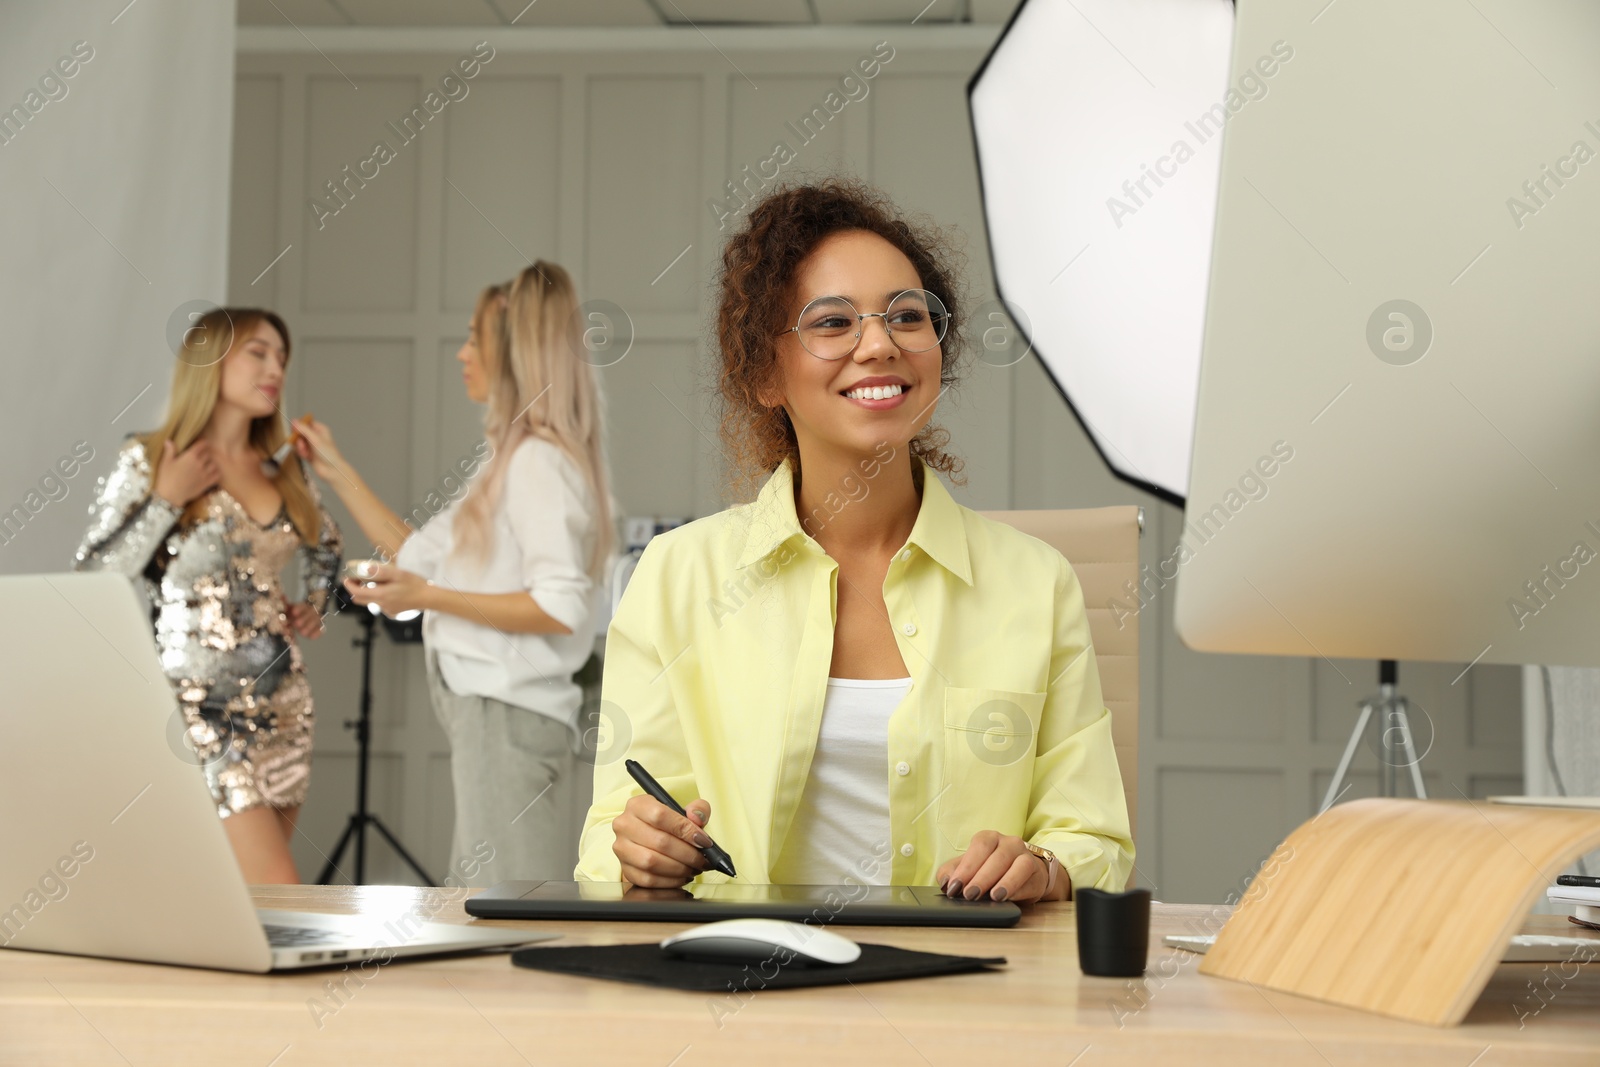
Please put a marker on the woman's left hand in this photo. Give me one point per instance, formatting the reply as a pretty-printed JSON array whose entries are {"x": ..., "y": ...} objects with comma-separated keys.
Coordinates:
[
  {"x": 997, "y": 865},
  {"x": 305, "y": 620},
  {"x": 392, "y": 589}
]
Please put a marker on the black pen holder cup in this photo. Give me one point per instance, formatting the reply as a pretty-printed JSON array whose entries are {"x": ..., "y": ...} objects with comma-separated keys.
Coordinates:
[{"x": 1113, "y": 932}]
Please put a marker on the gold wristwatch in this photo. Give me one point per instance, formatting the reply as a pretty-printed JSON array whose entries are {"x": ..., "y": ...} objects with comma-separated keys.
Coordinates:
[{"x": 1051, "y": 864}]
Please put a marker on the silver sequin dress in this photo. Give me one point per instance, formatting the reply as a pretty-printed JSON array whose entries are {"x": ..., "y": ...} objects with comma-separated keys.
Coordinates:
[{"x": 221, "y": 628}]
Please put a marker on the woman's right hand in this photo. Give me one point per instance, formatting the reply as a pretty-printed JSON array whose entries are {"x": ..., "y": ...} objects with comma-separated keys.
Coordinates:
[
  {"x": 657, "y": 847},
  {"x": 315, "y": 445},
  {"x": 187, "y": 475}
]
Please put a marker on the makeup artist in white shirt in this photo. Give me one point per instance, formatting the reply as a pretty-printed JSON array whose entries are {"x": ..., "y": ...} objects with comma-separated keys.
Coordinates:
[{"x": 507, "y": 576}]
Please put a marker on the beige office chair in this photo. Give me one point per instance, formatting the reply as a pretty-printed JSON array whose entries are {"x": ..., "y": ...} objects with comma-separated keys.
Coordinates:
[{"x": 1102, "y": 544}]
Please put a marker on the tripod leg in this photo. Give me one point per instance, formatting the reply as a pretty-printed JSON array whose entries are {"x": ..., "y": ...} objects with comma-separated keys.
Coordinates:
[
  {"x": 377, "y": 824},
  {"x": 1349, "y": 754},
  {"x": 332, "y": 865},
  {"x": 1411, "y": 750},
  {"x": 1387, "y": 749}
]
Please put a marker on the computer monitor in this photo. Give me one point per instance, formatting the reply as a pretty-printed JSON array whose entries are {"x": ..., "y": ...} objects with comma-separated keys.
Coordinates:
[{"x": 1397, "y": 445}]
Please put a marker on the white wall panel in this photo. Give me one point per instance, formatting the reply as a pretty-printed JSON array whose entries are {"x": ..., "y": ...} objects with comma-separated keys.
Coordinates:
[
  {"x": 643, "y": 193},
  {"x": 253, "y": 235},
  {"x": 502, "y": 195},
  {"x": 362, "y": 255}
]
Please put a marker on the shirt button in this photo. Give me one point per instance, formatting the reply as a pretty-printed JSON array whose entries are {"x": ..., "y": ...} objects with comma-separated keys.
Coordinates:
[
  {"x": 905, "y": 554},
  {"x": 906, "y": 849},
  {"x": 909, "y": 629},
  {"x": 902, "y": 768}
]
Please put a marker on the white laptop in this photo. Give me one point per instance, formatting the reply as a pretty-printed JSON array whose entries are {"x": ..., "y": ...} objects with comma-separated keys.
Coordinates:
[{"x": 110, "y": 844}]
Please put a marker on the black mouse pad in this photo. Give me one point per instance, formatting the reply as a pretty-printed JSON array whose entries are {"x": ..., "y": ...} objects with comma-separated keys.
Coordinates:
[{"x": 648, "y": 965}]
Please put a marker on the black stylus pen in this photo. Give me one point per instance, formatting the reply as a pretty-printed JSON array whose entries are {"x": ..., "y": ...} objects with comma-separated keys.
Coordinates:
[{"x": 714, "y": 855}]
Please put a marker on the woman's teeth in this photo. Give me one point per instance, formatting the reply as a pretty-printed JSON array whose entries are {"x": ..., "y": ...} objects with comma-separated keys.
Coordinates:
[{"x": 875, "y": 392}]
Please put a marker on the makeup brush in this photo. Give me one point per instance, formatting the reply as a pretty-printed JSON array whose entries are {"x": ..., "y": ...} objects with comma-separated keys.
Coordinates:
[{"x": 272, "y": 464}]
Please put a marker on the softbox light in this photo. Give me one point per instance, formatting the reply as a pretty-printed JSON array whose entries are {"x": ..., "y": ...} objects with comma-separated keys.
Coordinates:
[{"x": 1099, "y": 126}]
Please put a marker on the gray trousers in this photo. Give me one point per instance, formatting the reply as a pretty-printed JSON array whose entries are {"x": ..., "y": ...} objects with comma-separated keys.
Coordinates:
[{"x": 522, "y": 789}]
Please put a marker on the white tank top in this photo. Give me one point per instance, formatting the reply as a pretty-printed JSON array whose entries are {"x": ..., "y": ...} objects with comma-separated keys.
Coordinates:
[{"x": 841, "y": 829}]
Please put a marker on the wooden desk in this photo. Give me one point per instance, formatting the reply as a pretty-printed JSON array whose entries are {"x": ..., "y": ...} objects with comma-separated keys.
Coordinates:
[{"x": 482, "y": 1011}]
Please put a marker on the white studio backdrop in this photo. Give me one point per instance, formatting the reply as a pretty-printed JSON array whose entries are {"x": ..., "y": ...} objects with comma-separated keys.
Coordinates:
[{"x": 115, "y": 144}]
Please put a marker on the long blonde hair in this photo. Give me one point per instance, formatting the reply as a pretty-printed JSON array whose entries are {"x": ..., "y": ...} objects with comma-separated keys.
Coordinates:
[
  {"x": 539, "y": 386},
  {"x": 196, "y": 385}
]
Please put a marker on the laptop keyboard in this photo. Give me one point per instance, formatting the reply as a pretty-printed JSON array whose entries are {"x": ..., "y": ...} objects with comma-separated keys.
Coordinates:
[{"x": 293, "y": 936}]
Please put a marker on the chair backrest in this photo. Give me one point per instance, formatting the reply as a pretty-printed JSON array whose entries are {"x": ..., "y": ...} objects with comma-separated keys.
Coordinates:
[{"x": 1102, "y": 544}]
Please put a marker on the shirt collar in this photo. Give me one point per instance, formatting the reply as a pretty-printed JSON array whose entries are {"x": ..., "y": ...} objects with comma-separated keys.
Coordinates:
[{"x": 940, "y": 529}]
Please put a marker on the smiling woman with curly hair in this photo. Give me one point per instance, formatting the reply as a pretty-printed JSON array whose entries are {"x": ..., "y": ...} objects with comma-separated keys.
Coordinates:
[
  {"x": 759, "y": 267},
  {"x": 865, "y": 679}
]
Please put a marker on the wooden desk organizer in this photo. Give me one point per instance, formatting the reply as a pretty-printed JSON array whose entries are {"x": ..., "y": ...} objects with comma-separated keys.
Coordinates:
[{"x": 1399, "y": 907}]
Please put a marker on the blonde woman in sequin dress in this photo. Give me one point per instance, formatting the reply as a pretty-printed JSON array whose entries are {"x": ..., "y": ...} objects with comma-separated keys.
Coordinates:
[{"x": 189, "y": 515}]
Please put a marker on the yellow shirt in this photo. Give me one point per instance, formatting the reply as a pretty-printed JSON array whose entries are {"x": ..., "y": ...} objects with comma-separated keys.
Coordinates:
[{"x": 717, "y": 664}]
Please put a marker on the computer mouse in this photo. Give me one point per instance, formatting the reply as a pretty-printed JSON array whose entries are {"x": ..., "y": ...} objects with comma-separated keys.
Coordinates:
[{"x": 759, "y": 940}]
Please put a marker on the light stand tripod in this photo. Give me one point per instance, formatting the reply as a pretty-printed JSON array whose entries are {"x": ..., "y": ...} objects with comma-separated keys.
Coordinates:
[
  {"x": 1394, "y": 737},
  {"x": 356, "y": 829}
]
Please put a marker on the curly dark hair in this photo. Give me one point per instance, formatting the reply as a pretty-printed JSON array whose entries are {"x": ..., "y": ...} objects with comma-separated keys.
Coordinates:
[{"x": 759, "y": 264}]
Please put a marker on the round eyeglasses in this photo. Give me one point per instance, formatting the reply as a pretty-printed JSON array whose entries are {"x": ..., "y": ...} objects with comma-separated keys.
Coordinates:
[{"x": 830, "y": 327}]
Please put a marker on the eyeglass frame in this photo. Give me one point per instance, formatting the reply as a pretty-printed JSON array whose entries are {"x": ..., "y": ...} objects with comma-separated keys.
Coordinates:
[{"x": 862, "y": 316}]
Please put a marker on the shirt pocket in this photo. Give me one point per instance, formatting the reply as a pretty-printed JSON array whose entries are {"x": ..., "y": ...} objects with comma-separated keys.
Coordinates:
[{"x": 989, "y": 740}]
